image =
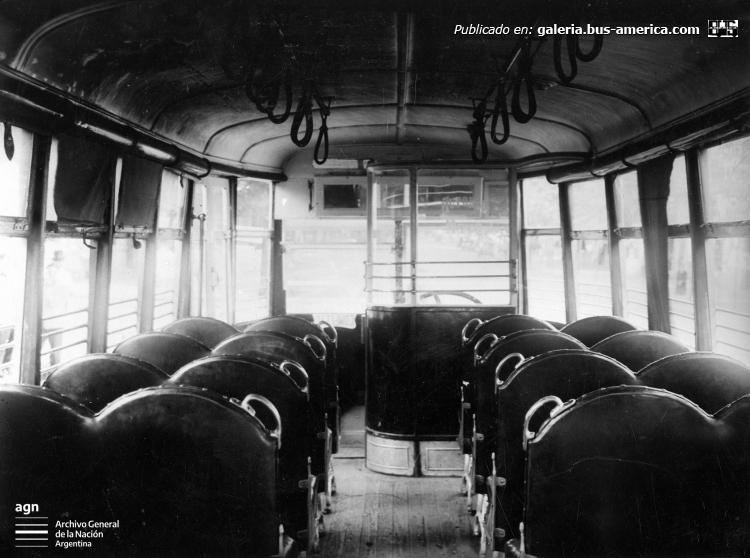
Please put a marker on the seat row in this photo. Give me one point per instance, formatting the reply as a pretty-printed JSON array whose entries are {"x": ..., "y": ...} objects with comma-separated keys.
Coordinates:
[
  {"x": 281, "y": 371},
  {"x": 525, "y": 371}
]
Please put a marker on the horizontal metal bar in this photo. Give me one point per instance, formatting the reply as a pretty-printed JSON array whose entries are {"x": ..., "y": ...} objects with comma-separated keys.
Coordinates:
[
  {"x": 510, "y": 262},
  {"x": 111, "y": 304},
  {"x": 8, "y": 345},
  {"x": 134, "y": 326},
  {"x": 437, "y": 291},
  {"x": 727, "y": 230},
  {"x": 589, "y": 235},
  {"x": 434, "y": 276},
  {"x": 68, "y": 346},
  {"x": 540, "y": 232},
  {"x": 64, "y": 330},
  {"x": 65, "y": 314}
]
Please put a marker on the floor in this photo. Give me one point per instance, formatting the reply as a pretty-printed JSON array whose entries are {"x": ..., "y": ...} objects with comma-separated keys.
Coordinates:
[{"x": 383, "y": 516}]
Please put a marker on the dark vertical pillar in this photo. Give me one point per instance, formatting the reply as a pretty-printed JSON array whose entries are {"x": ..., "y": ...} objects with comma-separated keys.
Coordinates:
[
  {"x": 231, "y": 244},
  {"x": 571, "y": 306},
  {"x": 99, "y": 298},
  {"x": 183, "y": 304},
  {"x": 614, "y": 247},
  {"x": 278, "y": 295},
  {"x": 703, "y": 314},
  {"x": 653, "y": 192},
  {"x": 31, "y": 335}
]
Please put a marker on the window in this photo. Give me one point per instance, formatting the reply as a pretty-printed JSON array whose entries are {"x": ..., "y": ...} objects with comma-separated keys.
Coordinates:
[
  {"x": 341, "y": 196},
  {"x": 127, "y": 270},
  {"x": 545, "y": 285},
  {"x": 170, "y": 223},
  {"x": 253, "y": 250},
  {"x": 726, "y": 197},
  {"x": 590, "y": 248},
  {"x": 725, "y": 170},
  {"x": 12, "y": 287},
  {"x": 65, "y": 315},
  {"x": 14, "y": 175},
  {"x": 462, "y": 240}
]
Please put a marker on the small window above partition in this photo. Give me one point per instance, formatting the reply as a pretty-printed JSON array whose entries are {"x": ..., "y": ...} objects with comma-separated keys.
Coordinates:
[{"x": 341, "y": 196}]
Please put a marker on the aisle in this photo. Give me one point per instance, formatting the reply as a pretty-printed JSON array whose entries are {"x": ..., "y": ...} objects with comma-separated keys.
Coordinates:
[{"x": 382, "y": 516}]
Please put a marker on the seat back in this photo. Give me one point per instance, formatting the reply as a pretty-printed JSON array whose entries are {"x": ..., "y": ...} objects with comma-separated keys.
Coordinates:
[
  {"x": 497, "y": 363},
  {"x": 299, "y": 327},
  {"x": 191, "y": 473},
  {"x": 501, "y": 326},
  {"x": 208, "y": 331},
  {"x": 636, "y": 349},
  {"x": 632, "y": 470},
  {"x": 167, "y": 351},
  {"x": 95, "y": 380},
  {"x": 47, "y": 456},
  {"x": 593, "y": 329},
  {"x": 237, "y": 377},
  {"x": 709, "y": 380},
  {"x": 567, "y": 374}
]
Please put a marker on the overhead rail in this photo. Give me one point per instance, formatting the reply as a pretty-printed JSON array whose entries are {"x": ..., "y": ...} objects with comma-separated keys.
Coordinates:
[{"x": 28, "y": 103}]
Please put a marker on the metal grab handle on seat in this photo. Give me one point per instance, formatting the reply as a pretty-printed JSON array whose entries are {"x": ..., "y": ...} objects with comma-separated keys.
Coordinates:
[
  {"x": 527, "y": 434},
  {"x": 500, "y": 365},
  {"x": 335, "y": 339},
  {"x": 276, "y": 433},
  {"x": 464, "y": 337},
  {"x": 301, "y": 369},
  {"x": 322, "y": 345},
  {"x": 476, "y": 347}
]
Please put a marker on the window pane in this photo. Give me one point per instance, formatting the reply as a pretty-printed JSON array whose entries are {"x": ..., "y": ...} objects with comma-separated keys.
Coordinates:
[
  {"x": 541, "y": 206},
  {"x": 171, "y": 201},
  {"x": 633, "y": 268},
  {"x": 127, "y": 270},
  {"x": 726, "y": 190},
  {"x": 588, "y": 206},
  {"x": 592, "y": 277},
  {"x": 14, "y": 175},
  {"x": 12, "y": 286},
  {"x": 545, "y": 283},
  {"x": 253, "y": 204},
  {"x": 391, "y": 240},
  {"x": 473, "y": 250},
  {"x": 168, "y": 262},
  {"x": 253, "y": 264},
  {"x": 729, "y": 283},
  {"x": 66, "y": 299},
  {"x": 681, "y": 308},
  {"x": 214, "y": 197},
  {"x": 324, "y": 267},
  {"x": 626, "y": 200},
  {"x": 678, "y": 212}
]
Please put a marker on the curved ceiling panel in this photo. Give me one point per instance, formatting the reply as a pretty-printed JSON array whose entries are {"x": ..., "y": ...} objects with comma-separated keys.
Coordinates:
[{"x": 400, "y": 79}]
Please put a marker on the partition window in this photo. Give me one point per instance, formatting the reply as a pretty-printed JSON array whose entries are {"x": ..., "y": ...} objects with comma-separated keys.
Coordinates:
[
  {"x": 462, "y": 239},
  {"x": 542, "y": 250}
]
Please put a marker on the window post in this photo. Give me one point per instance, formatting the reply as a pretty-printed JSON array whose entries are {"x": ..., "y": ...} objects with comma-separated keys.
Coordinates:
[
  {"x": 653, "y": 192},
  {"x": 614, "y": 247},
  {"x": 31, "y": 335},
  {"x": 571, "y": 306},
  {"x": 703, "y": 314}
]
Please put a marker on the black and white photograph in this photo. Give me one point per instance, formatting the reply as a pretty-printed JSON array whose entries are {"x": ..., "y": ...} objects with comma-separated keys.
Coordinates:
[{"x": 385, "y": 279}]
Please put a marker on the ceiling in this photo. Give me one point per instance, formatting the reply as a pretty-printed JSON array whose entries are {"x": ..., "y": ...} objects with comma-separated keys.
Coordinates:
[{"x": 399, "y": 78}]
